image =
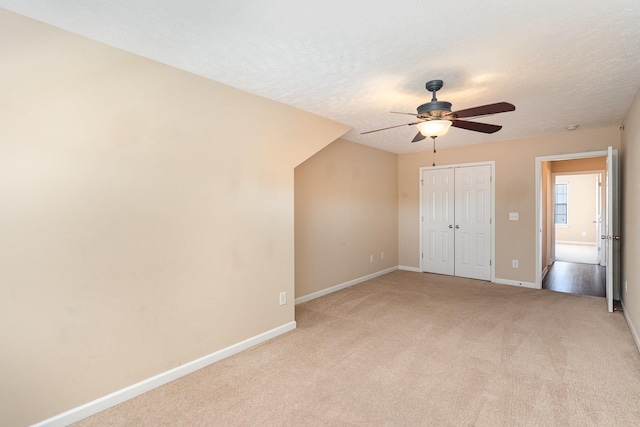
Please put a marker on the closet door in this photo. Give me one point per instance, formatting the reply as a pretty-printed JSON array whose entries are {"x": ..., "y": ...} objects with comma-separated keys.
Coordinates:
[
  {"x": 438, "y": 221},
  {"x": 456, "y": 221},
  {"x": 473, "y": 222}
]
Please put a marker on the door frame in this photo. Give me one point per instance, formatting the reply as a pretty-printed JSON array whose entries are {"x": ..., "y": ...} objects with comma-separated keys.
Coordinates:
[
  {"x": 539, "y": 216},
  {"x": 492, "y": 165}
]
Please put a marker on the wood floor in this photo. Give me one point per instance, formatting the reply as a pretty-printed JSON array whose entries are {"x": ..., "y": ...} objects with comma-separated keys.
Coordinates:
[{"x": 575, "y": 278}]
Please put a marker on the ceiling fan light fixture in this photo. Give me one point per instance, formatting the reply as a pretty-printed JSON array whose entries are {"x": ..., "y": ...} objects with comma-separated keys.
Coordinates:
[{"x": 434, "y": 127}]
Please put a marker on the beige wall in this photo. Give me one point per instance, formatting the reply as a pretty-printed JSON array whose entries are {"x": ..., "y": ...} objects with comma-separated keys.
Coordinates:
[
  {"x": 591, "y": 164},
  {"x": 515, "y": 192},
  {"x": 143, "y": 222},
  {"x": 582, "y": 209},
  {"x": 345, "y": 210},
  {"x": 630, "y": 230}
]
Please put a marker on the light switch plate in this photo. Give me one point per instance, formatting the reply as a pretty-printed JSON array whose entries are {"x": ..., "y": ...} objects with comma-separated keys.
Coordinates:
[{"x": 513, "y": 216}]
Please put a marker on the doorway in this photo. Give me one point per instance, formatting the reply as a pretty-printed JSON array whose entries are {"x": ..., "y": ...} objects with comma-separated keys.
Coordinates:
[
  {"x": 577, "y": 218},
  {"x": 566, "y": 276},
  {"x": 577, "y": 214}
]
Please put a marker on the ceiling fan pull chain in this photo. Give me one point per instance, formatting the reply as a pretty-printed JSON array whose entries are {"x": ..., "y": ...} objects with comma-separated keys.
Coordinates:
[{"x": 434, "y": 150}]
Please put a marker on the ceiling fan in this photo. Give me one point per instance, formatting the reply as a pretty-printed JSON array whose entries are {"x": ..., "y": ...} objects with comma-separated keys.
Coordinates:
[{"x": 435, "y": 117}]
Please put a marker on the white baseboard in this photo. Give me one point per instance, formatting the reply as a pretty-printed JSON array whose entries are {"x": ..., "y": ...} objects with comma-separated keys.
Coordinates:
[
  {"x": 516, "y": 283},
  {"x": 571, "y": 242},
  {"x": 144, "y": 386},
  {"x": 344, "y": 285},
  {"x": 406, "y": 268},
  {"x": 632, "y": 328}
]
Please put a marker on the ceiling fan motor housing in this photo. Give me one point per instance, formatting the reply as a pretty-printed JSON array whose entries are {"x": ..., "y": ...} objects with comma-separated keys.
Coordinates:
[{"x": 434, "y": 109}]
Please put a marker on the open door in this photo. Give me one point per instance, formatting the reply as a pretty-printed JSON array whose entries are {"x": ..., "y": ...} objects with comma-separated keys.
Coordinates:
[{"x": 612, "y": 236}]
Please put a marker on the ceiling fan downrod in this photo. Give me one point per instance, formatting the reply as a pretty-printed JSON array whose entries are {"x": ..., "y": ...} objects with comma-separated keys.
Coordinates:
[{"x": 433, "y": 86}]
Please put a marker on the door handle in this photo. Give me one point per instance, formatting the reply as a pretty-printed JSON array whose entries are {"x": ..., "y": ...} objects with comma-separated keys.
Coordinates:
[
  {"x": 610, "y": 237},
  {"x": 457, "y": 226},
  {"x": 450, "y": 226}
]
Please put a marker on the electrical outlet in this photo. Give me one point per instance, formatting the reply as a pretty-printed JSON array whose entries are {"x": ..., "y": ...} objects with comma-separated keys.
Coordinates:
[
  {"x": 514, "y": 263},
  {"x": 625, "y": 286},
  {"x": 283, "y": 298},
  {"x": 371, "y": 258},
  {"x": 381, "y": 255},
  {"x": 513, "y": 216}
]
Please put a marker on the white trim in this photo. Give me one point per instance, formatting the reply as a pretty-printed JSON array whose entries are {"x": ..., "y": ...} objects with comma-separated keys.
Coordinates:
[
  {"x": 516, "y": 283},
  {"x": 538, "y": 172},
  {"x": 634, "y": 333},
  {"x": 569, "y": 242},
  {"x": 105, "y": 402},
  {"x": 407, "y": 268},
  {"x": 344, "y": 285},
  {"x": 458, "y": 165}
]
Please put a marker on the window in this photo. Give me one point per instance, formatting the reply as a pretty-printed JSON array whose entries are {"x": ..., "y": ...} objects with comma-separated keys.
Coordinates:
[{"x": 561, "y": 204}]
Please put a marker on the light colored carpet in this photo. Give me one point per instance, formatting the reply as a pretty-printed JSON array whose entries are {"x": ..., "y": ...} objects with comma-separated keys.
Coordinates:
[
  {"x": 417, "y": 349},
  {"x": 584, "y": 254}
]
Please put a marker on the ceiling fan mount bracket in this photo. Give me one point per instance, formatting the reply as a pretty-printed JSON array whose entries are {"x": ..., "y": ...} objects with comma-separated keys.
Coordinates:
[{"x": 434, "y": 85}]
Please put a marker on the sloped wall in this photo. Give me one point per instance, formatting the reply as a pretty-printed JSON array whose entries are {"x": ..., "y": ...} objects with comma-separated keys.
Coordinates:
[
  {"x": 346, "y": 212},
  {"x": 143, "y": 223}
]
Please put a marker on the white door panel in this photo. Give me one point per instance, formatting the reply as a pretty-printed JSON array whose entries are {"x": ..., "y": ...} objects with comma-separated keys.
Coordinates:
[
  {"x": 437, "y": 221},
  {"x": 473, "y": 226}
]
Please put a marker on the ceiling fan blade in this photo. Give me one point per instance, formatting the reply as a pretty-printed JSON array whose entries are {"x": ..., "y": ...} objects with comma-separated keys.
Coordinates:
[
  {"x": 418, "y": 137},
  {"x": 475, "y": 126},
  {"x": 390, "y": 127},
  {"x": 409, "y": 114},
  {"x": 483, "y": 110}
]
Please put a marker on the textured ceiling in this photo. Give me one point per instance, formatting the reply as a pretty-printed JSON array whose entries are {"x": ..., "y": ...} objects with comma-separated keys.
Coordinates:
[{"x": 560, "y": 62}]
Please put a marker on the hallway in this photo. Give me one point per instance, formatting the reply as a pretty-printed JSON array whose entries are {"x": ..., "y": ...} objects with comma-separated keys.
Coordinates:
[{"x": 585, "y": 254}]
